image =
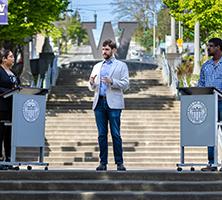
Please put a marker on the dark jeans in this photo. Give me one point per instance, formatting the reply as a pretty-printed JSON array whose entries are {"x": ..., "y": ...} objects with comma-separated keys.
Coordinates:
[
  {"x": 211, "y": 149},
  {"x": 103, "y": 115}
]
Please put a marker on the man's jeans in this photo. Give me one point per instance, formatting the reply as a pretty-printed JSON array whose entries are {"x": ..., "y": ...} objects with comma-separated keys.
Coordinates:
[
  {"x": 103, "y": 114},
  {"x": 211, "y": 149}
]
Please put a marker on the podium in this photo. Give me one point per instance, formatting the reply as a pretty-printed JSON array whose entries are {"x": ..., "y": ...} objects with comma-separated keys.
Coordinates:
[
  {"x": 199, "y": 123},
  {"x": 28, "y": 122}
]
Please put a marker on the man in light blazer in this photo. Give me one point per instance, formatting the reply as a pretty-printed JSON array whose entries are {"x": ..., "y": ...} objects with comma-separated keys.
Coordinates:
[{"x": 108, "y": 79}]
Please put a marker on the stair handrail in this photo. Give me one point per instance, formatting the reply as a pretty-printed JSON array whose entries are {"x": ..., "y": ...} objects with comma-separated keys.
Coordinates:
[
  {"x": 50, "y": 76},
  {"x": 169, "y": 75}
]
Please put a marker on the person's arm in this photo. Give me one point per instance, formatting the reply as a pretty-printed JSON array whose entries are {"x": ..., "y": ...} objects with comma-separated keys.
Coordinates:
[
  {"x": 201, "y": 82},
  {"x": 18, "y": 81},
  {"x": 92, "y": 84},
  {"x": 3, "y": 90},
  {"x": 5, "y": 81},
  {"x": 92, "y": 79}
]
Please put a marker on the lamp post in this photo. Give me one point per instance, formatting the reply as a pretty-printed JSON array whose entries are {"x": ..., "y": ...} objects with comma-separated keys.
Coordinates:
[
  {"x": 196, "y": 69},
  {"x": 154, "y": 31},
  {"x": 154, "y": 34},
  {"x": 172, "y": 48}
]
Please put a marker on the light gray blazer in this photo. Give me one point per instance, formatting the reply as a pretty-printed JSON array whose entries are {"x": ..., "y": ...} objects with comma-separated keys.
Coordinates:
[{"x": 114, "y": 94}]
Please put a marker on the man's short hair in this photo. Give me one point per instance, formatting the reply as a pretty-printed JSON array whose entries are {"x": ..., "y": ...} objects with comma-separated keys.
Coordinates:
[
  {"x": 216, "y": 42},
  {"x": 110, "y": 43}
]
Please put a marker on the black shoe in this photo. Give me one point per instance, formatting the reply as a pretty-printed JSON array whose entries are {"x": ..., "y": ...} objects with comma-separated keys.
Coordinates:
[
  {"x": 120, "y": 167},
  {"x": 3, "y": 167},
  {"x": 209, "y": 168},
  {"x": 101, "y": 167},
  {"x": 7, "y": 159},
  {"x": 11, "y": 167},
  {"x": 1, "y": 158}
]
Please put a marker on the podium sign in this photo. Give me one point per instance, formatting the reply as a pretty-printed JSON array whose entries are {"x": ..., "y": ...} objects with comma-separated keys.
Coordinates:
[
  {"x": 28, "y": 120},
  {"x": 199, "y": 119}
]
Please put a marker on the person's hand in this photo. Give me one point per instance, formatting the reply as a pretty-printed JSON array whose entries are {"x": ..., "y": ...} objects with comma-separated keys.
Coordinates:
[
  {"x": 107, "y": 80},
  {"x": 92, "y": 79}
]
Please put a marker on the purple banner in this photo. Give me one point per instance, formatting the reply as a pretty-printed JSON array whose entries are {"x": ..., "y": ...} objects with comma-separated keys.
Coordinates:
[{"x": 3, "y": 12}]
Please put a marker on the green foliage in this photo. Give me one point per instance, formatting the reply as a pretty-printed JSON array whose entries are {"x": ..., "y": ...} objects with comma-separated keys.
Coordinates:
[
  {"x": 142, "y": 12},
  {"x": 163, "y": 24},
  {"x": 69, "y": 30},
  {"x": 207, "y": 12},
  {"x": 185, "y": 70},
  {"x": 29, "y": 17},
  {"x": 75, "y": 31},
  {"x": 144, "y": 38}
]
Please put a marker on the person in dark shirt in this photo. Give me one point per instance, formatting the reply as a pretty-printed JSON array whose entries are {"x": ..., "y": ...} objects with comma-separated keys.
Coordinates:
[{"x": 8, "y": 81}]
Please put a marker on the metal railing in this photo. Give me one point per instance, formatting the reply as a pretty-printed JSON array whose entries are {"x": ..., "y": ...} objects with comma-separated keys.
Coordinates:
[
  {"x": 47, "y": 77},
  {"x": 169, "y": 74},
  {"x": 51, "y": 74}
]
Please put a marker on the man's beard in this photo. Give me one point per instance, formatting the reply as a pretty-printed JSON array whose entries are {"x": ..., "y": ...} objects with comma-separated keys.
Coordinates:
[
  {"x": 106, "y": 57},
  {"x": 210, "y": 53}
]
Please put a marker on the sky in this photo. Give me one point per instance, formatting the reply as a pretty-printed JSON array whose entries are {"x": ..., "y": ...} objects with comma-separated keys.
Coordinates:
[{"x": 87, "y": 9}]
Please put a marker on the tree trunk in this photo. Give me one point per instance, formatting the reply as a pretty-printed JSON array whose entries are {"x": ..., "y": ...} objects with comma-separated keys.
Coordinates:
[{"x": 26, "y": 76}]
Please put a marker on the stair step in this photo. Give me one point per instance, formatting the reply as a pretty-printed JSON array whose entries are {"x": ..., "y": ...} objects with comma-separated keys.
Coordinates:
[
  {"x": 110, "y": 185},
  {"x": 127, "y": 160},
  {"x": 129, "y": 154},
  {"x": 155, "y": 132},
  {"x": 109, "y": 195},
  {"x": 149, "y": 175}
]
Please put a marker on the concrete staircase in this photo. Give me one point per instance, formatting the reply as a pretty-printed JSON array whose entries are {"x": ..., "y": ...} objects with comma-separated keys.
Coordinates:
[
  {"x": 150, "y": 122},
  {"x": 111, "y": 185},
  {"x": 150, "y": 131}
]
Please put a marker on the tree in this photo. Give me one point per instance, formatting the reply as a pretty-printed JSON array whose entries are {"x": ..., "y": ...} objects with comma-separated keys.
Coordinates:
[
  {"x": 70, "y": 30},
  {"x": 27, "y": 18},
  {"x": 163, "y": 25},
  {"x": 75, "y": 32},
  {"x": 142, "y": 12},
  {"x": 207, "y": 12},
  {"x": 144, "y": 37}
]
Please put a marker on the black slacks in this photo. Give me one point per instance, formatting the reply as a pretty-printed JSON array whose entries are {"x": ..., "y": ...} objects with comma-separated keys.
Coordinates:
[{"x": 5, "y": 135}]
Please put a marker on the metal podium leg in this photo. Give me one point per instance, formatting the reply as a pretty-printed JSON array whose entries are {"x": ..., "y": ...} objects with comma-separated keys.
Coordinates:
[
  {"x": 215, "y": 155},
  {"x": 13, "y": 153},
  {"x": 182, "y": 154},
  {"x": 41, "y": 154},
  {"x": 219, "y": 143}
]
